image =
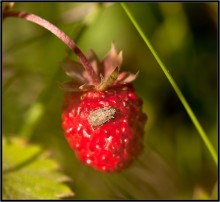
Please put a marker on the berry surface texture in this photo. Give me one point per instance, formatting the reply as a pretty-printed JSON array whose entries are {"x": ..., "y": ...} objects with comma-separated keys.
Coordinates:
[{"x": 105, "y": 125}]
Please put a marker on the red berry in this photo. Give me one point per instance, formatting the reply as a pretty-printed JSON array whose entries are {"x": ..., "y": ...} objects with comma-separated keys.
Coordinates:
[{"x": 104, "y": 125}]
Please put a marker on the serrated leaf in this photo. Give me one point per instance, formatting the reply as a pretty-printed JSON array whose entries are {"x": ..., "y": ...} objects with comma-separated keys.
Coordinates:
[{"x": 28, "y": 173}]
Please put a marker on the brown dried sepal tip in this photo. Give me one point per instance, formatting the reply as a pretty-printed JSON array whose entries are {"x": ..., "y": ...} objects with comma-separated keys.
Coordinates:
[{"x": 107, "y": 71}]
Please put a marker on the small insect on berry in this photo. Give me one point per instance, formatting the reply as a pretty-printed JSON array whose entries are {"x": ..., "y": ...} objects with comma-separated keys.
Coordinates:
[
  {"x": 101, "y": 115},
  {"x": 105, "y": 127}
]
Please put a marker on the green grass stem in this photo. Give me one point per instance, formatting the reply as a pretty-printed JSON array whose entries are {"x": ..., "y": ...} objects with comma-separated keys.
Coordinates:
[{"x": 175, "y": 87}]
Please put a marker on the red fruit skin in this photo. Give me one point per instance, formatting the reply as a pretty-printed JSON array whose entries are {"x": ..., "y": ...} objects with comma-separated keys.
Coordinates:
[{"x": 113, "y": 145}]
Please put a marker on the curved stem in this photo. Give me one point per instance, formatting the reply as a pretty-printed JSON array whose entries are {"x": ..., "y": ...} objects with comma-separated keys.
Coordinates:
[
  {"x": 175, "y": 87},
  {"x": 38, "y": 108},
  {"x": 60, "y": 34}
]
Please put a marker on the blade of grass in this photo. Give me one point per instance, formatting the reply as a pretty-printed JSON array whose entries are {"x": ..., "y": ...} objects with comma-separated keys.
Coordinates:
[{"x": 175, "y": 87}]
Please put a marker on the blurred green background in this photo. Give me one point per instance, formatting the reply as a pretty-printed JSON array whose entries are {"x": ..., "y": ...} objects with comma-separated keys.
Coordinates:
[{"x": 175, "y": 163}]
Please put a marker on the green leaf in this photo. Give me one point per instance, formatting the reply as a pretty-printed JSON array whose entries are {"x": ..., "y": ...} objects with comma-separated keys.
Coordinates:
[{"x": 28, "y": 173}]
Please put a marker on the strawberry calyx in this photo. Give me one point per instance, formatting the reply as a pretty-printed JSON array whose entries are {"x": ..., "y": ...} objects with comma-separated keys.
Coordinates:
[{"x": 107, "y": 72}]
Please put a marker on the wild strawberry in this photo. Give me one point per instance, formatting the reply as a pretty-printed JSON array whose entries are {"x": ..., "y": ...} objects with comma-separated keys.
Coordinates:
[{"x": 103, "y": 121}]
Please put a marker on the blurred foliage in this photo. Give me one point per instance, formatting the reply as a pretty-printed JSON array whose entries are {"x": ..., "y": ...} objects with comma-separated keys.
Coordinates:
[{"x": 175, "y": 161}]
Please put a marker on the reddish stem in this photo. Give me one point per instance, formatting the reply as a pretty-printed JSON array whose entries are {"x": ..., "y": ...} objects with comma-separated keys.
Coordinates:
[{"x": 60, "y": 34}]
